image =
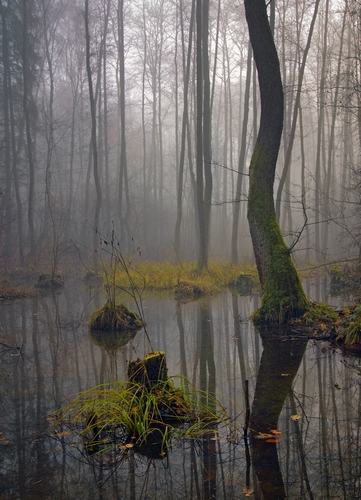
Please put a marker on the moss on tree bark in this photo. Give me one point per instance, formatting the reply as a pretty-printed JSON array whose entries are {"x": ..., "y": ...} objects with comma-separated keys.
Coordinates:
[{"x": 283, "y": 296}]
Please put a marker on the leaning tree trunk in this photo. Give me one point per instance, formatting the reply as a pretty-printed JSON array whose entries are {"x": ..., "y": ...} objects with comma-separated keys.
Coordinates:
[{"x": 283, "y": 295}]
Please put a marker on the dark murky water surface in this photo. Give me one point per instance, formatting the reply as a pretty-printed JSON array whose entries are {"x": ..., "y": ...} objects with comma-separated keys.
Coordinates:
[{"x": 211, "y": 342}]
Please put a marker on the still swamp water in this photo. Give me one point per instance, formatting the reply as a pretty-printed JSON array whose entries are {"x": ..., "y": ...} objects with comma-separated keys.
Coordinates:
[{"x": 308, "y": 392}]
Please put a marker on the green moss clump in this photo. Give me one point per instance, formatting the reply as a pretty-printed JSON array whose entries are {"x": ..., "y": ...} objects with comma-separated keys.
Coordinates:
[
  {"x": 114, "y": 317},
  {"x": 283, "y": 296}
]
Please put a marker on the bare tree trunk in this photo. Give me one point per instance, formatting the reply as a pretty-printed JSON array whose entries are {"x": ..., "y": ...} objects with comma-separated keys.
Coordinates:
[
  {"x": 331, "y": 140},
  {"x": 6, "y": 221},
  {"x": 203, "y": 134},
  {"x": 50, "y": 139},
  {"x": 301, "y": 73},
  {"x": 29, "y": 140},
  {"x": 93, "y": 134},
  {"x": 320, "y": 141},
  {"x": 184, "y": 125},
  {"x": 123, "y": 176},
  {"x": 241, "y": 162}
]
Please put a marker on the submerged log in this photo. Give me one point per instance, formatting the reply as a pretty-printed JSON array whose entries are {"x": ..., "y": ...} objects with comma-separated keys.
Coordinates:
[{"x": 150, "y": 370}]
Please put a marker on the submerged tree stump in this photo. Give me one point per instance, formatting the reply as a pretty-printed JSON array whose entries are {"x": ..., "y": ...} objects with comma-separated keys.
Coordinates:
[{"x": 150, "y": 370}]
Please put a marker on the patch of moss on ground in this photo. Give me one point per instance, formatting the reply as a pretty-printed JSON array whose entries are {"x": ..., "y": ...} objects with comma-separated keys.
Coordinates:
[{"x": 319, "y": 317}]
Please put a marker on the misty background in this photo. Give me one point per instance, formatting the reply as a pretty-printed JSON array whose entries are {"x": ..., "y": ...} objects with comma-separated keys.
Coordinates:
[{"x": 99, "y": 116}]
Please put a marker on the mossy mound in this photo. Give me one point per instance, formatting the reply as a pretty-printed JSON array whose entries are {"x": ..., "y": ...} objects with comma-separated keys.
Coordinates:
[
  {"x": 317, "y": 316},
  {"x": 187, "y": 291},
  {"x": 49, "y": 282},
  {"x": 114, "y": 317}
]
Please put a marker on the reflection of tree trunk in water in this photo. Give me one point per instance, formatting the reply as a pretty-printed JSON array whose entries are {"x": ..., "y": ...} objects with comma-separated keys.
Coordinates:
[
  {"x": 182, "y": 351},
  {"x": 322, "y": 383},
  {"x": 53, "y": 325},
  {"x": 332, "y": 382},
  {"x": 207, "y": 384},
  {"x": 20, "y": 389},
  {"x": 42, "y": 475},
  {"x": 298, "y": 431},
  {"x": 278, "y": 359}
]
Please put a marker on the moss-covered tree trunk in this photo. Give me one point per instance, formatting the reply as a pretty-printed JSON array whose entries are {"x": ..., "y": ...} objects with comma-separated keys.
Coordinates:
[{"x": 283, "y": 295}]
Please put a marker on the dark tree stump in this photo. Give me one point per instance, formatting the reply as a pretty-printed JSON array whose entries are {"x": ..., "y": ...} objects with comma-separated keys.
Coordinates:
[{"x": 150, "y": 370}]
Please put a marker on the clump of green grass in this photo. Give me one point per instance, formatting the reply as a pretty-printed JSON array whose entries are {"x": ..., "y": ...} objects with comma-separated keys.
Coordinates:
[
  {"x": 165, "y": 275},
  {"x": 115, "y": 317},
  {"x": 350, "y": 326},
  {"x": 320, "y": 313},
  {"x": 128, "y": 415}
]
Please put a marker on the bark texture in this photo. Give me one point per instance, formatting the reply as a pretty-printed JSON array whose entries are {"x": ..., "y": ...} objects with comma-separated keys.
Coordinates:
[{"x": 283, "y": 295}]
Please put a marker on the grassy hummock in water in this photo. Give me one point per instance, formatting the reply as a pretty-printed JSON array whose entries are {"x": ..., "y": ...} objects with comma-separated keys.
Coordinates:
[
  {"x": 114, "y": 317},
  {"x": 120, "y": 416},
  {"x": 158, "y": 276}
]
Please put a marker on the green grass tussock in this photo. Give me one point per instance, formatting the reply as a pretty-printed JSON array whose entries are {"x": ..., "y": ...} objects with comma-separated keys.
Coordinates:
[
  {"x": 165, "y": 275},
  {"x": 129, "y": 415}
]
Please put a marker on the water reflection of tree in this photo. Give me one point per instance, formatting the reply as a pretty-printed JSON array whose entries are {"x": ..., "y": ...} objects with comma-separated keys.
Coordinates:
[
  {"x": 279, "y": 364},
  {"x": 207, "y": 381}
]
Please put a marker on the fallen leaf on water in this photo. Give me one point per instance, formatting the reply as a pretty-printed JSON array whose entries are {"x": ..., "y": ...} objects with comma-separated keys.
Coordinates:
[
  {"x": 215, "y": 439},
  {"x": 263, "y": 435},
  {"x": 247, "y": 492},
  {"x": 323, "y": 327},
  {"x": 4, "y": 441},
  {"x": 285, "y": 374},
  {"x": 129, "y": 445},
  {"x": 62, "y": 434},
  {"x": 273, "y": 440},
  {"x": 275, "y": 432},
  {"x": 14, "y": 354},
  {"x": 295, "y": 417}
]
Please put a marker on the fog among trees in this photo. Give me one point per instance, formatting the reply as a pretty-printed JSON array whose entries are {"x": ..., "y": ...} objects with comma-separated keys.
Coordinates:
[{"x": 141, "y": 116}]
